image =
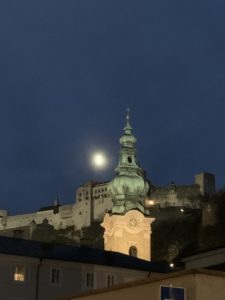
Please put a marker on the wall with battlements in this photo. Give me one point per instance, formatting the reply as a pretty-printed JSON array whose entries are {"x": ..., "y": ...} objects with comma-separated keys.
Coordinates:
[
  {"x": 184, "y": 195},
  {"x": 93, "y": 200}
]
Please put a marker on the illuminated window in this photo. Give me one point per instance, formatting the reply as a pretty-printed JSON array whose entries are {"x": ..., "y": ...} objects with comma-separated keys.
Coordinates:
[
  {"x": 55, "y": 276},
  {"x": 110, "y": 280},
  {"x": 19, "y": 273},
  {"x": 90, "y": 280}
]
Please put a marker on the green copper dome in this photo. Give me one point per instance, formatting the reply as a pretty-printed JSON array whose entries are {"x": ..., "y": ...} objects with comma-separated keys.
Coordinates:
[{"x": 128, "y": 188}]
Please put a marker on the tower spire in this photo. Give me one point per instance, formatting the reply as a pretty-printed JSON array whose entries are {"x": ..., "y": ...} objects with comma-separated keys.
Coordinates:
[
  {"x": 128, "y": 116},
  {"x": 127, "y": 129},
  {"x": 128, "y": 188},
  {"x": 128, "y": 140},
  {"x": 128, "y": 225}
]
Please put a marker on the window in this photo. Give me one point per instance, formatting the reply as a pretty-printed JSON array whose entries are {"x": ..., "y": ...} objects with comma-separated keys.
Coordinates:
[
  {"x": 90, "y": 280},
  {"x": 110, "y": 280},
  {"x": 129, "y": 159},
  {"x": 133, "y": 251},
  {"x": 19, "y": 273},
  {"x": 55, "y": 276}
]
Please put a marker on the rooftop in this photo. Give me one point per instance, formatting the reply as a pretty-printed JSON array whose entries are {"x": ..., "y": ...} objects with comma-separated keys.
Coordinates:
[{"x": 35, "y": 249}]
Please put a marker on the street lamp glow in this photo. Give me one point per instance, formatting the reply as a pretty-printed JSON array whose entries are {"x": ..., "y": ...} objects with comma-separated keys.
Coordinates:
[{"x": 99, "y": 160}]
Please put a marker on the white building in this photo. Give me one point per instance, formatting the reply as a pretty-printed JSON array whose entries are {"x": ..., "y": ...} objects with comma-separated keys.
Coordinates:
[{"x": 31, "y": 270}]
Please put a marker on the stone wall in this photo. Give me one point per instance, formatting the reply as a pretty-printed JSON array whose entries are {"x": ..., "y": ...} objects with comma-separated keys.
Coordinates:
[
  {"x": 186, "y": 196},
  {"x": 93, "y": 201}
]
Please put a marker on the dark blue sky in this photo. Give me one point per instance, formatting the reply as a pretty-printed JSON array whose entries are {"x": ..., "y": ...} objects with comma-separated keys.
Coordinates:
[{"x": 69, "y": 69}]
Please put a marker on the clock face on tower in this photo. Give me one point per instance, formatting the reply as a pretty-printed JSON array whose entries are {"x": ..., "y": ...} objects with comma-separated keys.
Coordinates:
[{"x": 133, "y": 222}]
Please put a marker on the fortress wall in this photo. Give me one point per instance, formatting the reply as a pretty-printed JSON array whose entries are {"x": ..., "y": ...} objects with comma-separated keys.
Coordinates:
[
  {"x": 101, "y": 200},
  {"x": 66, "y": 210},
  {"x": 187, "y": 196},
  {"x": 188, "y": 191},
  {"x": 68, "y": 215},
  {"x": 82, "y": 213},
  {"x": 181, "y": 190},
  {"x": 26, "y": 219},
  {"x": 19, "y": 220},
  {"x": 101, "y": 206}
]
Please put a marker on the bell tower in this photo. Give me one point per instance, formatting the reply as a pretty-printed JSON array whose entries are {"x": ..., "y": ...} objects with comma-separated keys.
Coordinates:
[{"x": 128, "y": 227}]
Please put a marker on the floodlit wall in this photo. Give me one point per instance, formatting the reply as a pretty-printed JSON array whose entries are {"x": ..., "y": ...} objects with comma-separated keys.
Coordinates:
[
  {"x": 101, "y": 201},
  {"x": 200, "y": 285}
]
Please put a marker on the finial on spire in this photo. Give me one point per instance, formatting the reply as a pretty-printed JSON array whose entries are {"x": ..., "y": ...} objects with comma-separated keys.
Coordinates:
[
  {"x": 128, "y": 113},
  {"x": 128, "y": 117}
]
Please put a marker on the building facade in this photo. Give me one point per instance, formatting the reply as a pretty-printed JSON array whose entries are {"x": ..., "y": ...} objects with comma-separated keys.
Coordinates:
[
  {"x": 30, "y": 270},
  {"x": 184, "y": 285}
]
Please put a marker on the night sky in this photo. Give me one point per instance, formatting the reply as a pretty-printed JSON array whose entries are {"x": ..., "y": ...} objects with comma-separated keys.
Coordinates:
[{"x": 68, "y": 71}]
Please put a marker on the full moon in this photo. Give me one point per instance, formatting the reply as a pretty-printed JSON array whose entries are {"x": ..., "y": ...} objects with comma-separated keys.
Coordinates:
[{"x": 99, "y": 160}]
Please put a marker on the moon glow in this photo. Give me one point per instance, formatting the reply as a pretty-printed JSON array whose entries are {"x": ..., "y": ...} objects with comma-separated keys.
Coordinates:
[{"x": 99, "y": 160}]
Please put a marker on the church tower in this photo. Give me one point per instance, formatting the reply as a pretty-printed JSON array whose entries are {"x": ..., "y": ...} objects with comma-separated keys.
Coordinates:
[{"x": 128, "y": 226}]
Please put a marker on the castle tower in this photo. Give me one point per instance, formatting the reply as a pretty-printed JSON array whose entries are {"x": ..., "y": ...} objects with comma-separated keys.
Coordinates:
[
  {"x": 128, "y": 227},
  {"x": 206, "y": 182}
]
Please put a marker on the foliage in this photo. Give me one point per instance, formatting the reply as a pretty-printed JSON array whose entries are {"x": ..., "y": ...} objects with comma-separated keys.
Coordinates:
[{"x": 173, "y": 233}]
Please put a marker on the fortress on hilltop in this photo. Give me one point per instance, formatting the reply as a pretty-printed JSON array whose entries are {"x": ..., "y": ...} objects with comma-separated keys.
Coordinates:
[{"x": 128, "y": 191}]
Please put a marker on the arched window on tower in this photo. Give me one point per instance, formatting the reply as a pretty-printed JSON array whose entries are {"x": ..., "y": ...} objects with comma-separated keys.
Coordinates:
[
  {"x": 133, "y": 251},
  {"x": 129, "y": 158}
]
